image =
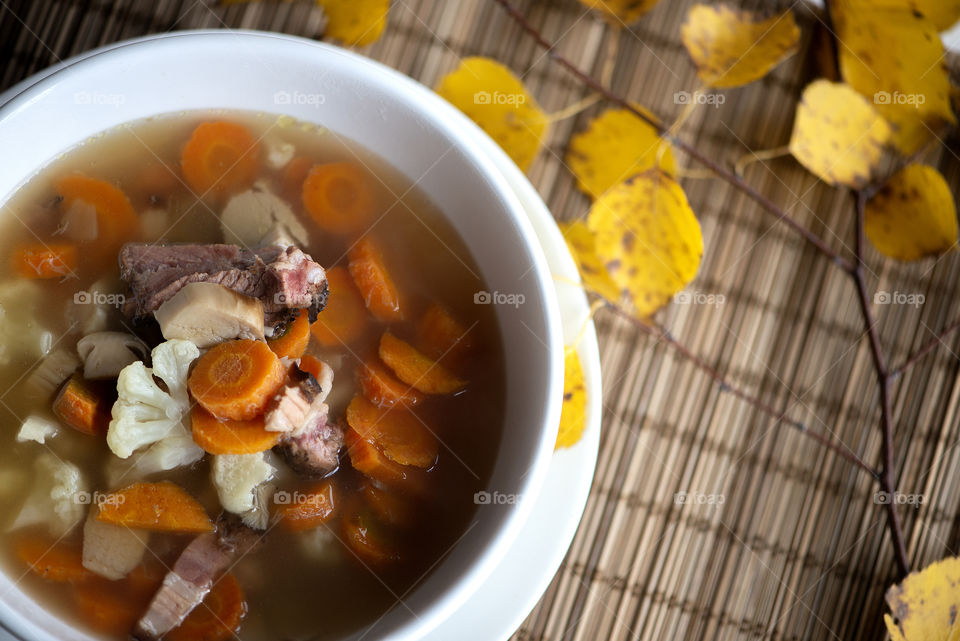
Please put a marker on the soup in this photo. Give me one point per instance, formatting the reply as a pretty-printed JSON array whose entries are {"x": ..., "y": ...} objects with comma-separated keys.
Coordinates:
[{"x": 180, "y": 292}]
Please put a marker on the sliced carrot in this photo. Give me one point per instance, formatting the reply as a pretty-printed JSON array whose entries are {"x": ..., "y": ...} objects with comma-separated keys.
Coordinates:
[
  {"x": 157, "y": 181},
  {"x": 114, "y": 607},
  {"x": 84, "y": 406},
  {"x": 368, "y": 460},
  {"x": 344, "y": 318},
  {"x": 39, "y": 261},
  {"x": 384, "y": 389},
  {"x": 365, "y": 537},
  {"x": 309, "y": 509},
  {"x": 397, "y": 433},
  {"x": 216, "y": 619},
  {"x": 217, "y": 436},
  {"x": 220, "y": 157},
  {"x": 162, "y": 507},
  {"x": 311, "y": 365},
  {"x": 291, "y": 182},
  {"x": 416, "y": 369},
  {"x": 441, "y": 336},
  {"x": 57, "y": 562},
  {"x": 292, "y": 343},
  {"x": 374, "y": 282},
  {"x": 389, "y": 508},
  {"x": 339, "y": 197},
  {"x": 117, "y": 222},
  {"x": 237, "y": 379}
]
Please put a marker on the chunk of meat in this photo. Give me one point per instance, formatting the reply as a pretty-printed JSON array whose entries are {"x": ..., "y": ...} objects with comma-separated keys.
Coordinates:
[
  {"x": 193, "y": 575},
  {"x": 282, "y": 278},
  {"x": 297, "y": 406},
  {"x": 316, "y": 451}
]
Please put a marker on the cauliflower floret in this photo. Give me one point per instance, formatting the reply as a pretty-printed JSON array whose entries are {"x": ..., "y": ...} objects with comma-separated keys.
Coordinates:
[
  {"x": 237, "y": 476},
  {"x": 145, "y": 414},
  {"x": 38, "y": 429},
  {"x": 57, "y": 497}
]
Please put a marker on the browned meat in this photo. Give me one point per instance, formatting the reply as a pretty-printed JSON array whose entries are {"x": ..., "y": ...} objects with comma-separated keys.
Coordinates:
[
  {"x": 282, "y": 278},
  {"x": 316, "y": 452},
  {"x": 297, "y": 406},
  {"x": 194, "y": 573}
]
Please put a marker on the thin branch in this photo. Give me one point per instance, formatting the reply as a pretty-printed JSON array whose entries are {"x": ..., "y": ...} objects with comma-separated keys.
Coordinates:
[
  {"x": 735, "y": 181},
  {"x": 925, "y": 349},
  {"x": 662, "y": 334}
]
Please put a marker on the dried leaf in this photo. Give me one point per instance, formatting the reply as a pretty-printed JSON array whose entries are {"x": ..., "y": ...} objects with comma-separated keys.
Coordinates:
[
  {"x": 913, "y": 216},
  {"x": 620, "y": 12},
  {"x": 648, "y": 239},
  {"x": 837, "y": 134},
  {"x": 355, "y": 22},
  {"x": 731, "y": 47},
  {"x": 924, "y": 605},
  {"x": 616, "y": 145},
  {"x": 495, "y": 99},
  {"x": 894, "y": 57},
  {"x": 583, "y": 246},
  {"x": 573, "y": 416}
]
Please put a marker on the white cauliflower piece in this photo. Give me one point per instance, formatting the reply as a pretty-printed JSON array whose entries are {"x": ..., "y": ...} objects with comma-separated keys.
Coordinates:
[
  {"x": 279, "y": 153},
  {"x": 56, "y": 496},
  {"x": 145, "y": 414},
  {"x": 38, "y": 429},
  {"x": 320, "y": 544},
  {"x": 111, "y": 551},
  {"x": 237, "y": 476}
]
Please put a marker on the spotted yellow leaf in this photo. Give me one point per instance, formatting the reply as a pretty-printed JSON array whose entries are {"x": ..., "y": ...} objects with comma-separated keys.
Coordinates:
[
  {"x": 616, "y": 145},
  {"x": 942, "y": 13},
  {"x": 648, "y": 239},
  {"x": 731, "y": 47},
  {"x": 837, "y": 134},
  {"x": 893, "y": 56},
  {"x": 355, "y": 22},
  {"x": 619, "y": 12},
  {"x": 495, "y": 99},
  {"x": 583, "y": 246},
  {"x": 924, "y": 605},
  {"x": 913, "y": 216},
  {"x": 573, "y": 416}
]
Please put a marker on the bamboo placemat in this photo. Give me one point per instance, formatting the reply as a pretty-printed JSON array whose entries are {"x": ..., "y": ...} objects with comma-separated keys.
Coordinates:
[{"x": 798, "y": 549}]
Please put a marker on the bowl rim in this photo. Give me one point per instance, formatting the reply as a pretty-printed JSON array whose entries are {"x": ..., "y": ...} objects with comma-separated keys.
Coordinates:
[{"x": 439, "y": 115}]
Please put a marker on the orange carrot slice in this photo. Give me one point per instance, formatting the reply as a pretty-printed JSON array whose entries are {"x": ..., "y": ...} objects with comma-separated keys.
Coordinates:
[
  {"x": 397, "y": 433},
  {"x": 230, "y": 437},
  {"x": 441, "y": 336},
  {"x": 309, "y": 509},
  {"x": 162, "y": 507},
  {"x": 339, "y": 197},
  {"x": 84, "y": 407},
  {"x": 57, "y": 562},
  {"x": 416, "y": 369},
  {"x": 368, "y": 460},
  {"x": 311, "y": 365},
  {"x": 374, "y": 282},
  {"x": 384, "y": 389},
  {"x": 291, "y": 182},
  {"x": 365, "y": 537},
  {"x": 113, "y": 607},
  {"x": 292, "y": 343},
  {"x": 388, "y": 507},
  {"x": 216, "y": 619},
  {"x": 220, "y": 157},
  {"x": 117, "y": 222},
  {"x": 157, "y": 181},
  {"x": 345, "y": 317},
  {"x": 38, "y": 261},
  {"x": 236, "y": 379}
]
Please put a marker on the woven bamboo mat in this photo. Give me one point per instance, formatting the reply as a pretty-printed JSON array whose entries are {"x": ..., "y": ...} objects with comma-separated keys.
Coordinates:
[{"x": 798, "y": 549}]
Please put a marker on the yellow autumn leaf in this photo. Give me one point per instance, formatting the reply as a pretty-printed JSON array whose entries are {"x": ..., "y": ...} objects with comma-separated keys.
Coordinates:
[
  {"x": 497, "y": 101},
  {"x": 913, "y": 216},
  {"x": 731, "y": 47},
  {"x": 583, "y": 246},
  {"x": 942, "y": 13},
  {"x": 620, "y": 11},
  {"x": 837, "y": 134},
  {"x": 355, "y": 22},
  {"x": 924, "y": 605},
  {"x": 648, "y": 239},
  {"x": 616, "y": 145},
  {"x": 894, "y": 57},
  {"x": 573, "y": 416}
]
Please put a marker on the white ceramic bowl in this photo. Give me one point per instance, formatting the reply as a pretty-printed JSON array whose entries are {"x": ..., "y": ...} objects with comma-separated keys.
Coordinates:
[{"x": 414, "y": 131}]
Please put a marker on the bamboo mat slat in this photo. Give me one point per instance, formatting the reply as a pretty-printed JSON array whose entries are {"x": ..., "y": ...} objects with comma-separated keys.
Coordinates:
[{"x": 798, "y": 549}]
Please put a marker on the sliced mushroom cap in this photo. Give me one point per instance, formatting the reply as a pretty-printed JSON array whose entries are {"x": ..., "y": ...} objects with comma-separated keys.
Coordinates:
[
  {"x": 207, "y": 313},
  {"x": 104, "y": 354},
  {"x": 250, "y": 216}
]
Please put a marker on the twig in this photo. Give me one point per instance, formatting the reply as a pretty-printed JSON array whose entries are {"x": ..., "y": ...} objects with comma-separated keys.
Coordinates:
[
  {"x": 735, "y": 181},
  {"x": 925, "y": 349}
]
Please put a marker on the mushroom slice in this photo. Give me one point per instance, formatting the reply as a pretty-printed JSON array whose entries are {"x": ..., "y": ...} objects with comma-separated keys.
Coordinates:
[
  {"x": 208, "y": 313},
  {"x": 249, "y": 217},
  {"x": 104, "y": 354}
]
